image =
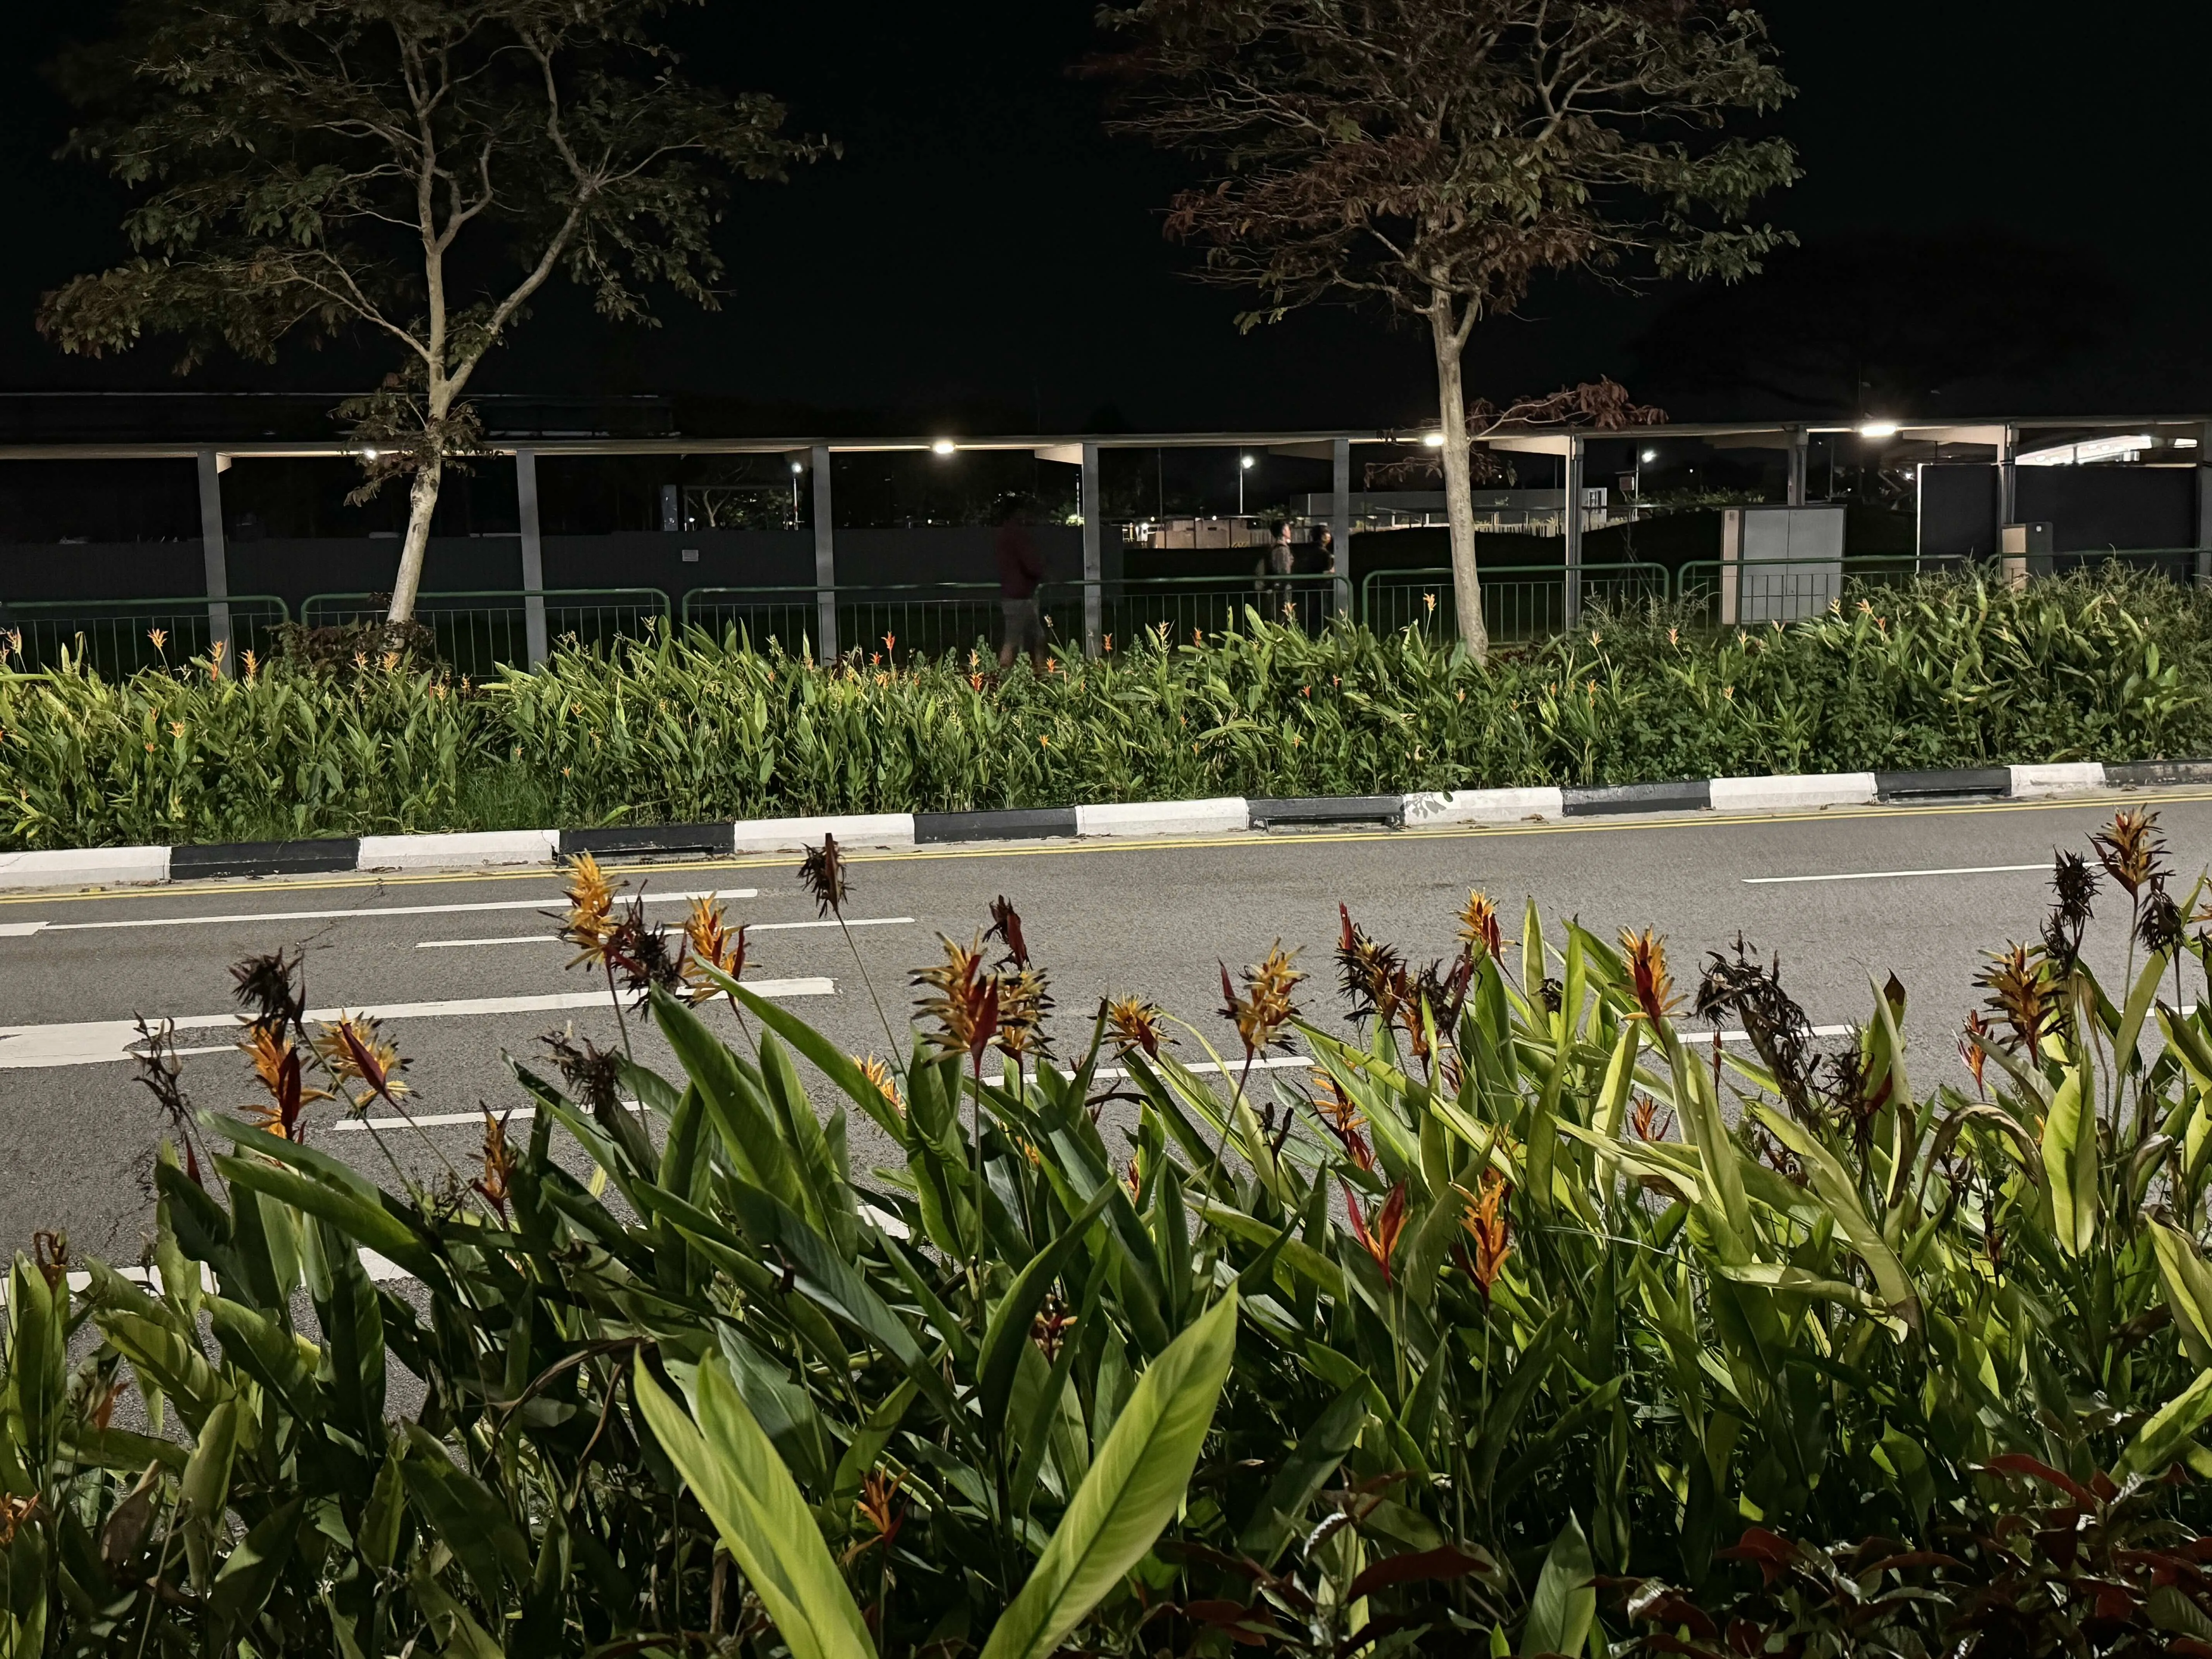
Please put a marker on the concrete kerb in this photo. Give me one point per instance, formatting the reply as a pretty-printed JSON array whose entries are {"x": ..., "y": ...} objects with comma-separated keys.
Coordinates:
[{"x": 114, "y": 866}]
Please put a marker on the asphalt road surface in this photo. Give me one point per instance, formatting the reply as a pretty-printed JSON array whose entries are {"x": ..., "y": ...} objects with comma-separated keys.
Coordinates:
[{"x": 467, "y": 967}]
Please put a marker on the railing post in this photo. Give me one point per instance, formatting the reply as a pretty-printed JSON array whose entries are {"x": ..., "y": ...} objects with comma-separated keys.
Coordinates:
[
  {"x": 825, "y": 559},
  {"x": 533, "y": 558},
  {"x": 1094, "y": 552},
  {"x": 213, "y": 557},
  {"x": 1801, "y": 444},
  {"x": 1340, "y": 518},
  {"x": 2204, "y": 567},
  {"x": 1571, "y": 611}
]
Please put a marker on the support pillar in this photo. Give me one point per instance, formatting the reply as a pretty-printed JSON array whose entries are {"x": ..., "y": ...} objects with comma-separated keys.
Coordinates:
[
  {"x": 2007, "y": 484},
  {"x": 1094, "y": 552},
  {"x": 1340, "y": 521},
  {"x": 1572, "y": 576},
  {"x": 2204, "y": 504},
  {"x": 213, "y": 555},
  {"x": 1800, "y": 445},
  {"x": 825, "y": 560},
  {"x": 533, "y": 557}
]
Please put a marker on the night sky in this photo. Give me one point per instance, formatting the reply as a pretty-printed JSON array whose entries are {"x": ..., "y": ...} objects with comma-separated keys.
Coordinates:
[{"x": 1999, "y": 215}]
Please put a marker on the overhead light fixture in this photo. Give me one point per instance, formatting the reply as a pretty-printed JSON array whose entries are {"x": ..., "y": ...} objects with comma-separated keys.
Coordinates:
[
  {"x": 1432, "y": 440},
  {"x": 368, "y": 454},
  {"x": 942, "y": 447},
  {"x": 798, "y": 467},
  {"x": 1878, "y": 429},
  {"x": 1244, "y": 460},
  {"x": 1648, "y": 455}
]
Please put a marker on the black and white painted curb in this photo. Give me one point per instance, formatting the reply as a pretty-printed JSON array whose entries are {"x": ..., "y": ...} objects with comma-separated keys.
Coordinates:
[{"x": 108, "y": 867}]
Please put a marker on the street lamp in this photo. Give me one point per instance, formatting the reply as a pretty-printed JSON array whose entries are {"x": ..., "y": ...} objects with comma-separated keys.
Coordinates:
[
  {"x": 942, "y": 447},
  {"x": 796, "y": 469},
  {"x": 1243, "y": 465}
]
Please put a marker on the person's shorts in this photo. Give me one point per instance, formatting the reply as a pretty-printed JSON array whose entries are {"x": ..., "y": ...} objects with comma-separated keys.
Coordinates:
[{"x": 1025, "y": 628}]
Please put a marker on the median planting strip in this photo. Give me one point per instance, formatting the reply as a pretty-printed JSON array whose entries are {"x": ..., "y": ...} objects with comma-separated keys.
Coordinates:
[{"x": 111, "y": 867}]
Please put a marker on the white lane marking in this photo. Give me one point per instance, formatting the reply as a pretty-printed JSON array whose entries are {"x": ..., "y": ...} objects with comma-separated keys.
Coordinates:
[
  {"x": 750, "y": 927},
  {"x": 24, "y": 929},
  {"x": 92, "y": 1043},
  {"x": 1898, "y": 875}
]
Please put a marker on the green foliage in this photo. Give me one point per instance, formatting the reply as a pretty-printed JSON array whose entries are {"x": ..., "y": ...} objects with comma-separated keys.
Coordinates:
[
  {"x": 1519, "y": 1393},
  {"x": 1943, "y": 672}
]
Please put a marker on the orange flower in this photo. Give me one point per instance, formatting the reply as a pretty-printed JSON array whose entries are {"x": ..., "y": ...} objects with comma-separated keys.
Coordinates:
[
  {"x": 496, "y": 1184},
  {"x": 352, "y": 1047},
  {"x": 1478, "y": 925},
  {"x": 1380, "y": 1242},
  {"x": 1487, "y": 1223},
  {"x": 276, "y": 1065},
  {"x": 880, "y": 1074},
  {"x": 1647, "y": 973}
]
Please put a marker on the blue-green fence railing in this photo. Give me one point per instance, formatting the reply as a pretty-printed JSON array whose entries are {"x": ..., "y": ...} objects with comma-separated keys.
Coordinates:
[{"x": 121, "y": 636}]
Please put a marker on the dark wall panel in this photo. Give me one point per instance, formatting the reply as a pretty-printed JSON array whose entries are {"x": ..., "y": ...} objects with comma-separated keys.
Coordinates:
[
  {"x": 952, "y": 553},
  {"x": 643, "y": 558},
  {"x": 1959, "y": 512},
  {"x": 293, "y": 569},
  {"x": 102, "y": 570},
  {"x": 2090, "y": 507}
]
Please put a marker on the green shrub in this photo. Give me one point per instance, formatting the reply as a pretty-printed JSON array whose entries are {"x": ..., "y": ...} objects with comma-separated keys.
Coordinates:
[
  {"x": 1535, "y": 1321},
  {"x": 1943, "y": 672}
]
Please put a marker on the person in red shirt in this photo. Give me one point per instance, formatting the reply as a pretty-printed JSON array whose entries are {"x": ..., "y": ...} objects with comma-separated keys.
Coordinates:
[{"x": 1020, "y": 570}]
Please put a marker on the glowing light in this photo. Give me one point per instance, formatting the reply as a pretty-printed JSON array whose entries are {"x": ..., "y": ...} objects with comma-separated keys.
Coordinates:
[
  {"x": 1649, "y": 455},
  {"x": 368, "y": 454},
  {"x": 942, "y": 447},
  {"x": 797, "y": 468},
  {"x": 1244, "y": 460},
  {"x": 1878, "y": 430},
  {"x": 1432, "y": 440}
]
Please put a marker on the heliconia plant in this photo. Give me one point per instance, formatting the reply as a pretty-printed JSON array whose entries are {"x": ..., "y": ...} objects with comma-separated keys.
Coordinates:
[
  {"x": 690, "y": 726},
  {"x": 1529, "y": 1317}
]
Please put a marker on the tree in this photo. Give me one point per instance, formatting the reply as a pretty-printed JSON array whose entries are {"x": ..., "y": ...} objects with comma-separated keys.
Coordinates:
[
  {"x": 1436, "y": 156},
  {"x": 418, "y": 168}
]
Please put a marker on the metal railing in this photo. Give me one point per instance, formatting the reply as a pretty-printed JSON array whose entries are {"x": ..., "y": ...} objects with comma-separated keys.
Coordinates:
[
  {"x": 901, "y": 620},
  {"x": 121, "y": 636},
  {"x": 1188, "y": 606},
  {"x": 1519, "y": 602},
  {"x": 477, "y": 630}
]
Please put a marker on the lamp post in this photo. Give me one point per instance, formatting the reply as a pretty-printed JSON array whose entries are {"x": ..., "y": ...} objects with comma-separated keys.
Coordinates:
[{"x": 1243, "y": 465}]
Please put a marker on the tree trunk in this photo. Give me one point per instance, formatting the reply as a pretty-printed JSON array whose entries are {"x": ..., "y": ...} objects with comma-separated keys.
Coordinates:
[
  {"x": 1459, "y": 491},
  {"x": 422, "y": 503}
]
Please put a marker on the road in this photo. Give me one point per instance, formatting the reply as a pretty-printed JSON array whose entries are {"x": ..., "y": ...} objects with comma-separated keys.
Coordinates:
[{"x": 469, "y": 968}]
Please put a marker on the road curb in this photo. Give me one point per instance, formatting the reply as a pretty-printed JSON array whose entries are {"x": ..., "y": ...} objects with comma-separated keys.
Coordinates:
[{"x": 112, "y": 866}]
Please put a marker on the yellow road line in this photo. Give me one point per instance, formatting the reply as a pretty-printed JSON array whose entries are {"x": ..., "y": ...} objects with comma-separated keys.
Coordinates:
[{"x": 1061, "y": 849}]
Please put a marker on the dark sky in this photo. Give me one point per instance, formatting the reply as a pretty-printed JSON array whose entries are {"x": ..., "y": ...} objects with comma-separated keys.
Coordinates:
[{"x": 2000, "y": 212}]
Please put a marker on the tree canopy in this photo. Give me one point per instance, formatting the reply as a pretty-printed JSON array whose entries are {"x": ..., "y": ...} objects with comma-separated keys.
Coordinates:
[{"x": 415, "y": 169}]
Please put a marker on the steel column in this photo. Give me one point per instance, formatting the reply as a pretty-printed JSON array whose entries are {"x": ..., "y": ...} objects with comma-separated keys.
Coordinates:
[
  {"x": 533, "y": 557},
  {"x": 825, "y": 559},
  {"x": 1572, "y": 576},
  {"x": 1801, "y": 444},
  {"x": 1094, "y": 559},
  {"x": 213, "y": 557},
  {"x": 1340, "y": 520}
]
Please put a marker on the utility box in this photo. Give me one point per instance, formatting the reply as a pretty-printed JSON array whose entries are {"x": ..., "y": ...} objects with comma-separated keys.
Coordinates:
[
  {"x": 1780, "y": 563},
  {"x": 2025, "y": 550}
]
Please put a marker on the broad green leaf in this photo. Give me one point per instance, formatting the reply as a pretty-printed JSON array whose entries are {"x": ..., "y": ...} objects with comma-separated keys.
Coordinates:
[
  {"x": 1009, "y": 1331},
  {"x": 1135, "y": 1485},
  {"x": 1838, "y": 1195},
  {"x": 1320, "y": 1448},
  {"x": 2070, "y": 1162},
  {"x": 1565, "y": 1603},
  {"x": 2159, "y": 1441},
  {"x": 2188, "y": 1283},
  {"x": 731, "y": 1468}
]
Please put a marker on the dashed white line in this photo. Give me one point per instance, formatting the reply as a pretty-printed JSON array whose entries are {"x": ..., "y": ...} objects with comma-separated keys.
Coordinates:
[
  {"x": 26, "y": 929},
  {"x": 750, "y": 927},
  {"x": 92, "y": 1043},
  {"x": 1898, "y": 875}
]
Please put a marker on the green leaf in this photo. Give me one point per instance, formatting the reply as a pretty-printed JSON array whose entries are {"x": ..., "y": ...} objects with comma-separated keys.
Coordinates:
[
  {"x": 255, "y": 1562},
  {"x": 2188, "y": 1283},
  {"x": 2069, "y": 1161},
  {"x": 731, "y": 1468},
  {"x": 1009, "y": 1331},
  {"x": 1133, "y": 1488},
  {"x": 830, "y": 1060},
  {"x": 1320, "y": 1450},
  {"x": 2159, "y": 1441},
  {"x": 1565, "y": 1603}
]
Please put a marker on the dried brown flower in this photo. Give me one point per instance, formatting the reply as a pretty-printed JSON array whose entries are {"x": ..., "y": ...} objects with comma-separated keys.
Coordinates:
[
  {"x": 1265, "y": 1008},
  {"x": 1136, "y": 1023},
  {"x": 966, "y": 1003},
  {"x": 2022, "y": 993},
  {"x": 823, "y": 875},
  {"x": 497, "y": 1183},
  {"x": 1007, "y": 927},
  {"x": 1479, "y": 929},
  {"x": 2131, "y": 850}
]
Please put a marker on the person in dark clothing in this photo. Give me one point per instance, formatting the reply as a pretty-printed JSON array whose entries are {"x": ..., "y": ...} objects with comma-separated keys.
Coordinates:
[{"x": 1020, "y": 570}]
